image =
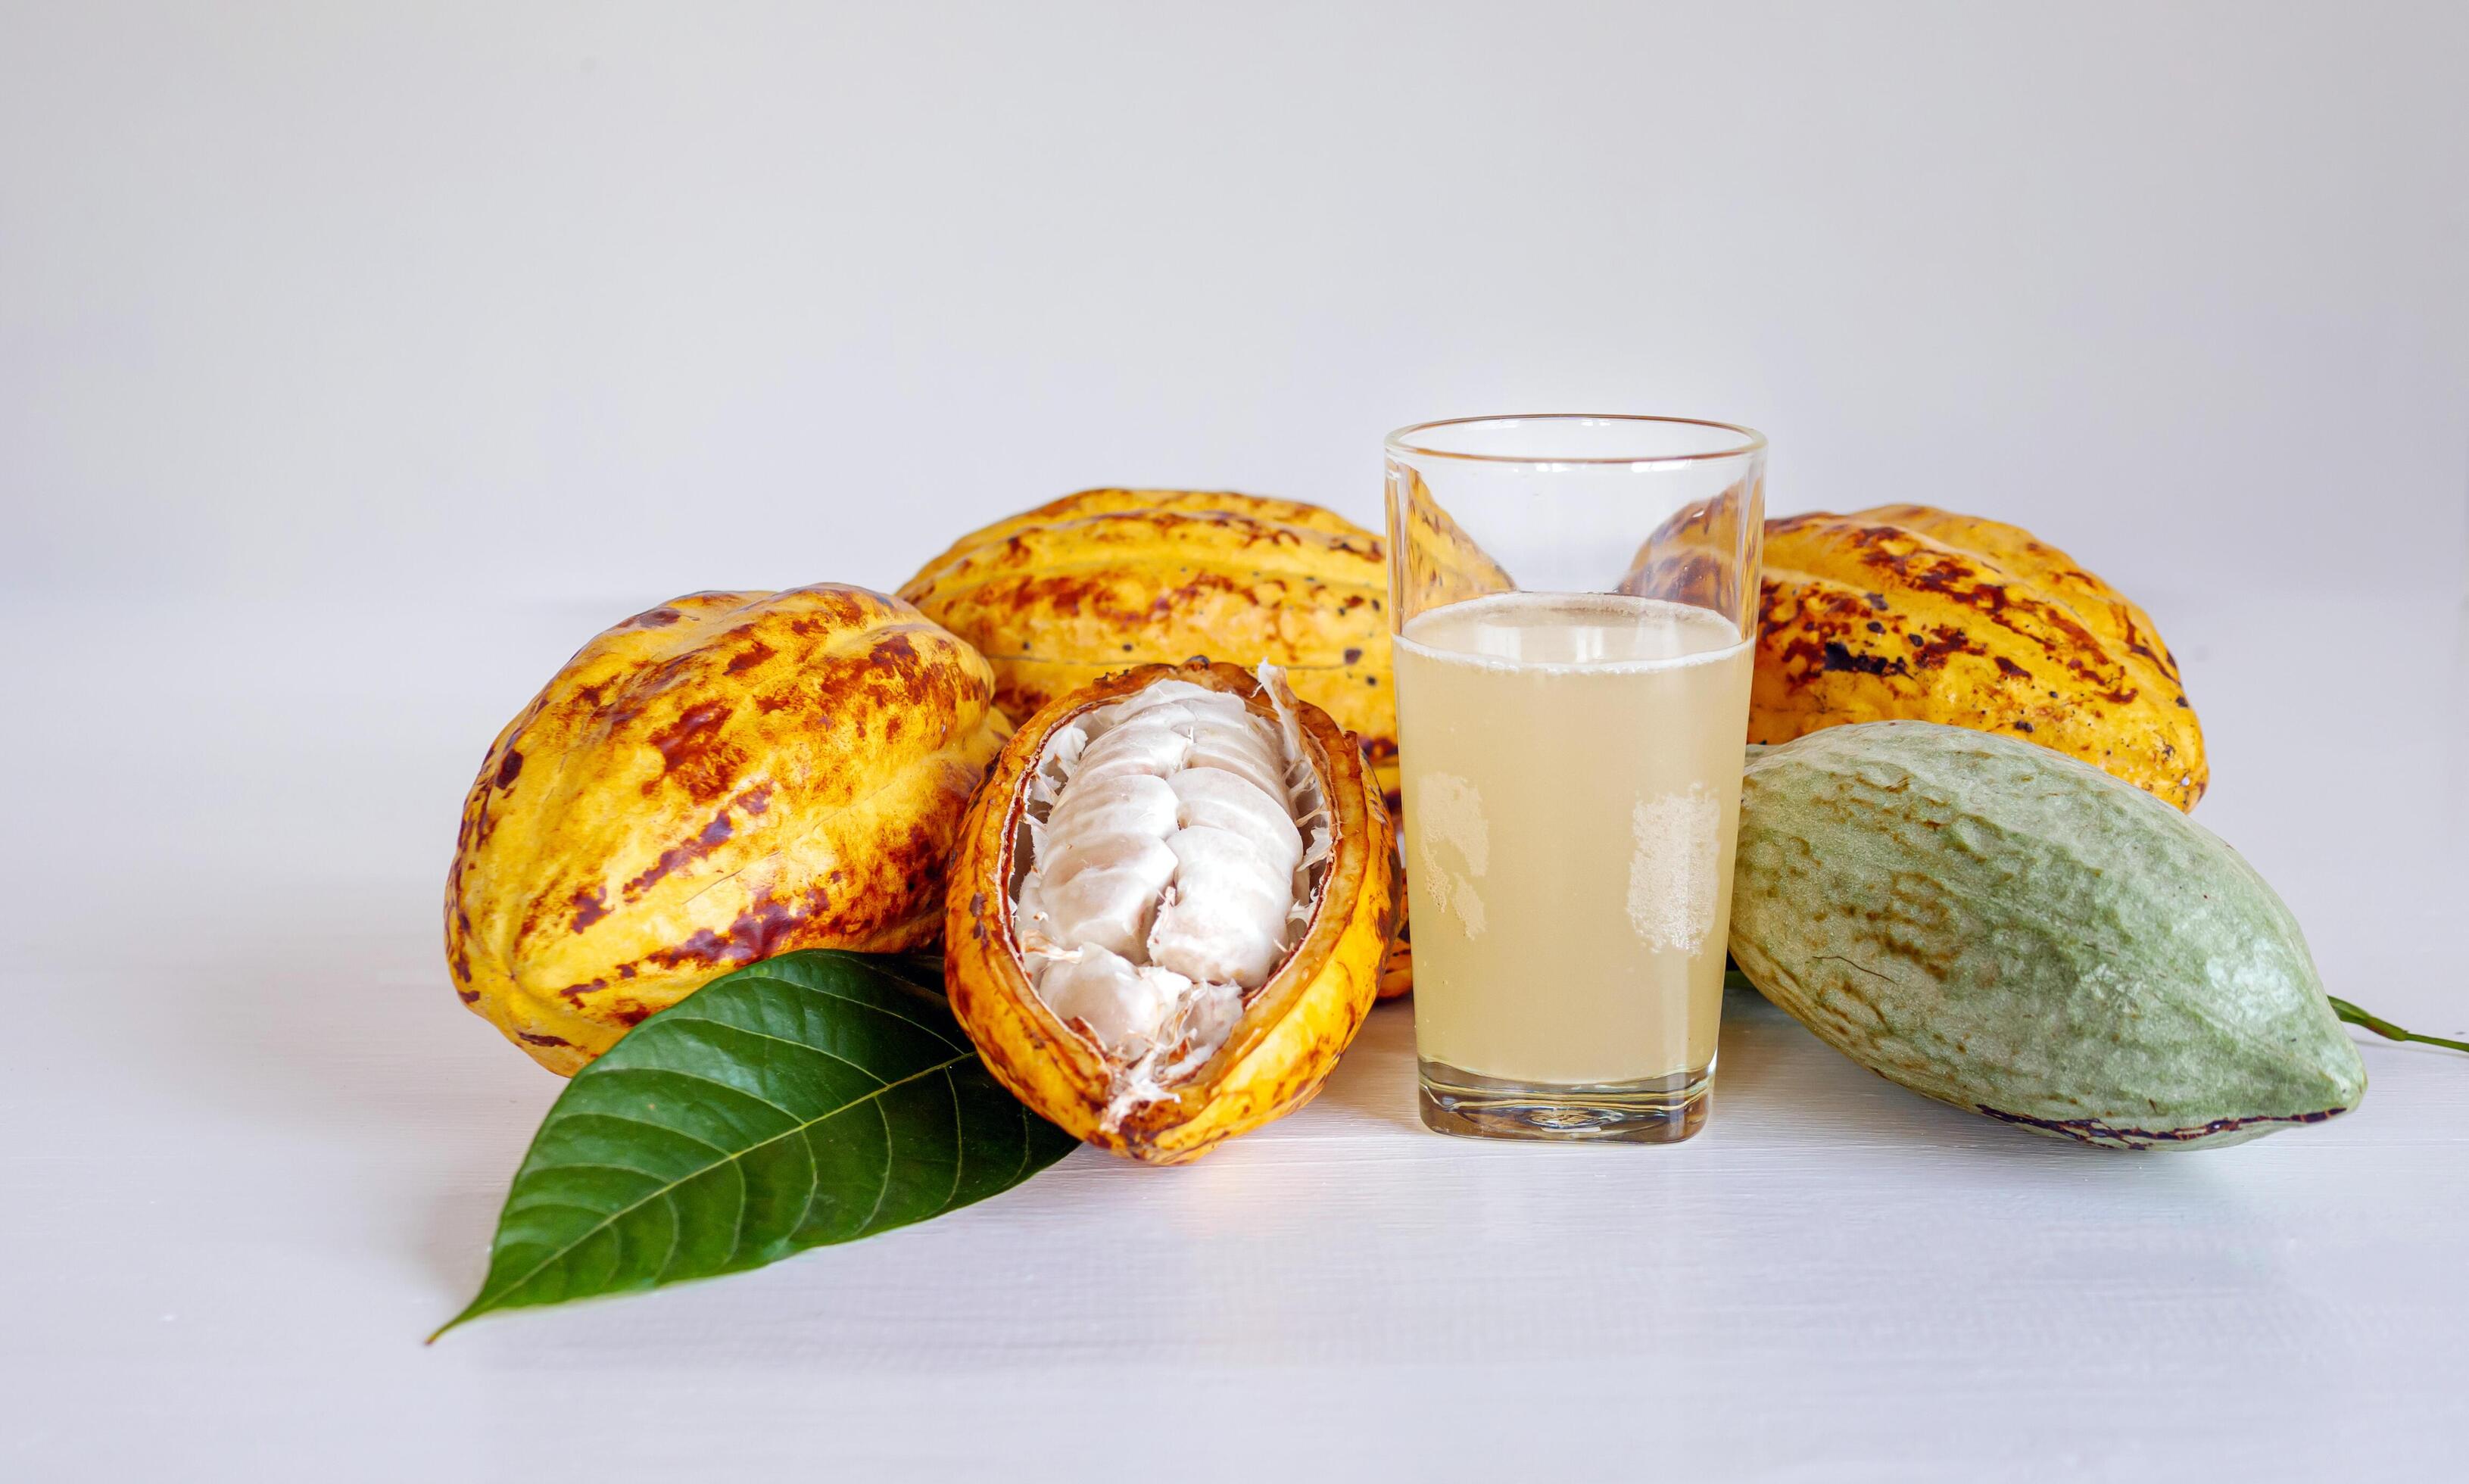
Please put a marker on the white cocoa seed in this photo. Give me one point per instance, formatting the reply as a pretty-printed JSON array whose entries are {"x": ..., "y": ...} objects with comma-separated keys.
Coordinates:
[{"x": 1168, "y": 871}]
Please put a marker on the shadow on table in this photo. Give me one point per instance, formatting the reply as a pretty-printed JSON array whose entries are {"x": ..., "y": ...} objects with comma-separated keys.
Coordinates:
[
  {"x": 1375, "y": 1079},
  {"x": 1774, "y": 1081}
]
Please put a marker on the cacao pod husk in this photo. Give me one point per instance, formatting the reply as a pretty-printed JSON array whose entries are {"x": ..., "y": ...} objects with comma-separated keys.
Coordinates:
[
  {"x": 1106, "y": 579},
  {"x": 1291, "y": 1030}
]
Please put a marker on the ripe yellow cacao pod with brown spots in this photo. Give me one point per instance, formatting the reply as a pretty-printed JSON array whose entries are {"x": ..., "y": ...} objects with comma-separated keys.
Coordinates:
[
  {"x": 1169, "y": 908},
  {"x": 723, "y": 777},
  {"x": 1913, "y": 613},
  {"x": 1103, "y": 580},
  {"x": 1441, "y": 564}
]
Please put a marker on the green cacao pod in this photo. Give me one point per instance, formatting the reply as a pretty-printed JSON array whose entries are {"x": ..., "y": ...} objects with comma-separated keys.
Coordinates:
[{"x": 2003, "y": 928}]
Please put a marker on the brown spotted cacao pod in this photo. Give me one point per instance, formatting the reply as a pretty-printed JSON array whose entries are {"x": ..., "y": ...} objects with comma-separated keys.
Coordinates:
[
  {"x": 1909, "y": 612},
  {"x": 723, "y": 777},
  {"x": 1103, "y": 580},
  {"x": 1185, "y": 1083}
]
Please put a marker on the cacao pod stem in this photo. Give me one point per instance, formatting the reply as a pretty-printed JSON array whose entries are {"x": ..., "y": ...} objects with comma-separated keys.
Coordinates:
[{"x": 2385, "y": 1028}]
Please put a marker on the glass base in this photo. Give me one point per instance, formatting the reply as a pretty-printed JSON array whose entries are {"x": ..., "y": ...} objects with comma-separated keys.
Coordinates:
[{"x": 1651, "y": 1110}]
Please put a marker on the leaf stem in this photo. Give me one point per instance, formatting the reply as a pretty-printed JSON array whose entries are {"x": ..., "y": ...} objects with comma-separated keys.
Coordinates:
[{"x": 2385, "y": 1028}]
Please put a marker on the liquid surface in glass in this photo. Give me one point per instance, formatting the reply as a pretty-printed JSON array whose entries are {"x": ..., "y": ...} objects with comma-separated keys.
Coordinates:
[{"x": 1572, "y": 768}]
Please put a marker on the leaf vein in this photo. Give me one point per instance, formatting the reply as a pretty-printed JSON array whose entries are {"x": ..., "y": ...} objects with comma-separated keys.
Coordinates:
[
  {"x": 960, "y": 1143},
  {"x": 883, "y": 1182}
]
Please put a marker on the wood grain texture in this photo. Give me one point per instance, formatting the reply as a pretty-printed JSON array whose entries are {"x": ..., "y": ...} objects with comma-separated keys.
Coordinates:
[{"x": 258, "y": 1152}]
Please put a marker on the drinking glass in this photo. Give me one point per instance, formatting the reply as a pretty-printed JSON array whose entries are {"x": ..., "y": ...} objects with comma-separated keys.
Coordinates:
[{"x": 1574, "y": 601}]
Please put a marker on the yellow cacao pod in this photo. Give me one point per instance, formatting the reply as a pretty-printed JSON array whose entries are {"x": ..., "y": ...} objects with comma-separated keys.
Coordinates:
[
  {"x": 1909, "y": 612},
  {"x": 1098, "y": 581},
  {"x": 1180, "y": 1080},
  {"x": 1441, "y": 564},
  {"x": 723, "y": 777}
]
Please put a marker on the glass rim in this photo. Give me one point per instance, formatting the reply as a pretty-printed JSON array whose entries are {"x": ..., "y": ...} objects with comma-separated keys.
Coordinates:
[{"x": 1400, "y": 440}]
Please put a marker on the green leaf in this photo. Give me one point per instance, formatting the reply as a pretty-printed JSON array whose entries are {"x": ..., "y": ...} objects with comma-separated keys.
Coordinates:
[{"x": 814, "y": 1098}]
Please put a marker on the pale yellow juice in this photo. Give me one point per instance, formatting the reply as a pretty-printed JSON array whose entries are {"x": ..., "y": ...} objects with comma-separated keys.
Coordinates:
[{"x": 1572, "y": 768}]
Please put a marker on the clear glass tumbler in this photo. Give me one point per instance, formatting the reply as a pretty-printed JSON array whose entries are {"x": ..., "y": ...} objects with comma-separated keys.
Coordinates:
[{"x": 1574, "y": 603}]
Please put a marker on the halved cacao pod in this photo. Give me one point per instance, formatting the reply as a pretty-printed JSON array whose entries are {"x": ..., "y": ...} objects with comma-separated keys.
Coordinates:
[
  {"x": 1094, "y": 582},
  {"x": 1906, "y": 612},
  {"x": 727, "y": 776},
  {"x": 1276, "y": 1051}
]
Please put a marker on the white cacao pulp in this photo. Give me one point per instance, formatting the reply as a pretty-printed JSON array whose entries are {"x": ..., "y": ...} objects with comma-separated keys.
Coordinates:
[{"x": 1169, "y": 871}]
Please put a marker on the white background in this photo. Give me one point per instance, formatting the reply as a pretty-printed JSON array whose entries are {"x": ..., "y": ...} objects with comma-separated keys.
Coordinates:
[
  {"x": 602, "y": 301},
  {"x": 356, "y": 362}
]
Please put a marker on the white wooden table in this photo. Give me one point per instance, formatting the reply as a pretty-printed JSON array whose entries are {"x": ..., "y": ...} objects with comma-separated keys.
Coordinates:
[{"x": 254, "y": 1149}]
